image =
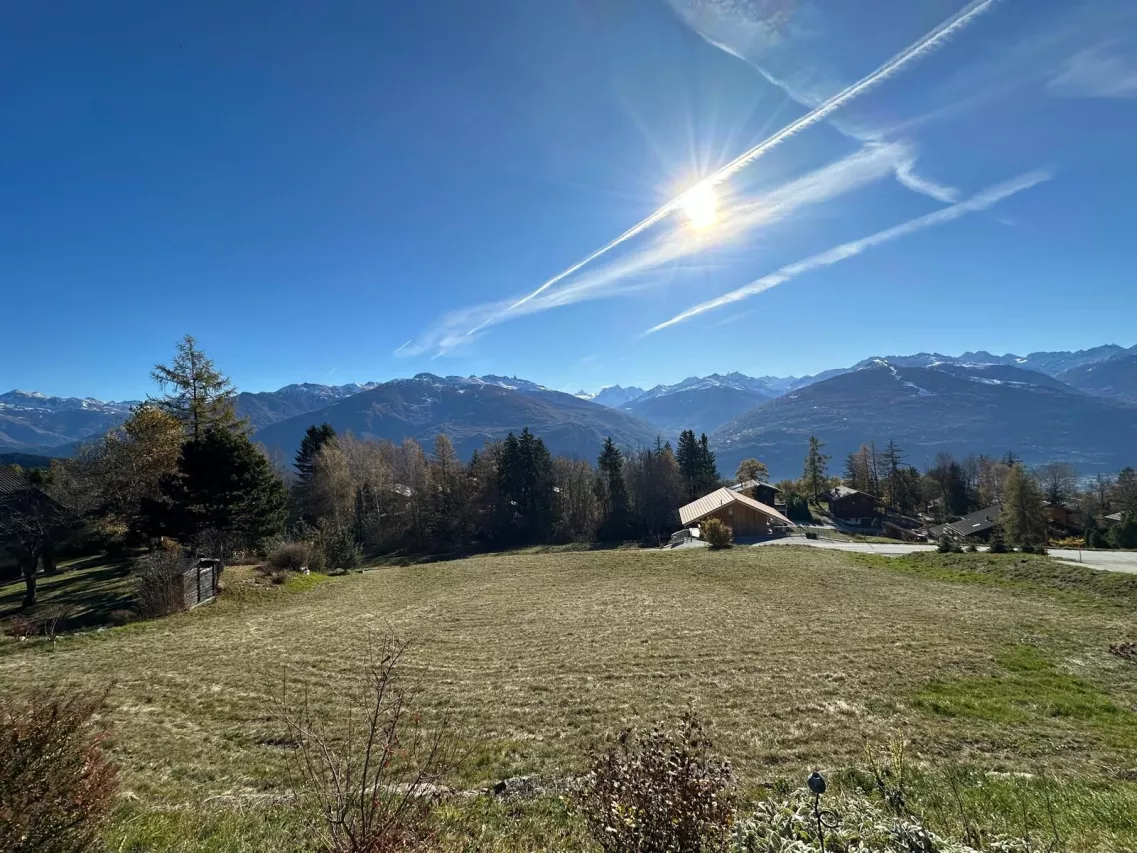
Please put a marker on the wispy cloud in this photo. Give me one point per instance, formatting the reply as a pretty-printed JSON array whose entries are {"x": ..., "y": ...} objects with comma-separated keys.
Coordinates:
[
  {"x": 1103, "y": 71},
  {"x": 924, "y": 46},
  {"x": 980, "y": 201},
  {"x": 650, "y": 265}
]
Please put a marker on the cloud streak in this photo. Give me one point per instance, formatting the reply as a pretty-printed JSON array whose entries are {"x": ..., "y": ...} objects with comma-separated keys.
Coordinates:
[
  {"x": 626, "y": 273},
  {"x": 924, "y": 46},
  {"x": 980, "y": 201},
  {"x": 1099, "y": 72}
]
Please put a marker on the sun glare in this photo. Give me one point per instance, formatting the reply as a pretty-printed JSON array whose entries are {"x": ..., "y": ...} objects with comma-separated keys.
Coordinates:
[{"x": 700, "y": 207}]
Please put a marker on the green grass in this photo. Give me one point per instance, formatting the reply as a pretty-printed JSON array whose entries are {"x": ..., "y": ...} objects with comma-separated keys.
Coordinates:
[
  {"x": 799, "y": 656},
  {"x": 1017, "y": 571}
]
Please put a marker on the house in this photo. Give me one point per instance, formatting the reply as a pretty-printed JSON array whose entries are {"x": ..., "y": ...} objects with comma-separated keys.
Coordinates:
[
  {"x": 977, "y": 525},
  {"x": 761, "y": 492},
  {"x": 1064, "y": 515},
  {"x": 1112, "y": 518},
  {"x": 852, "y": 506},
  {"x": 746, "y": 516}
]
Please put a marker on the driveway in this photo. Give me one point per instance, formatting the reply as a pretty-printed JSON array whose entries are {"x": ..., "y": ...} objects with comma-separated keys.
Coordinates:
[{"x": 1108, "y": 561}]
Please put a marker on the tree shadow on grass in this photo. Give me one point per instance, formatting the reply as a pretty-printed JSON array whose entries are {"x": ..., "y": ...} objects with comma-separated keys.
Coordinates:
[{"x": 84, "y": 593}]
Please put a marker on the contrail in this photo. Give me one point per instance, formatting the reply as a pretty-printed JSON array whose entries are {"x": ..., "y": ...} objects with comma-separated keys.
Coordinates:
[
  {"x": 403, "y": 347},
  {"x": 980, "y": 201},
  {"x": 930, "y": 42}
]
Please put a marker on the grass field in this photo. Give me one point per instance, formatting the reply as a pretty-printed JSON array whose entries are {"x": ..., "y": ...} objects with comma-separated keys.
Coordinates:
[{"x": 800, "y": 657}]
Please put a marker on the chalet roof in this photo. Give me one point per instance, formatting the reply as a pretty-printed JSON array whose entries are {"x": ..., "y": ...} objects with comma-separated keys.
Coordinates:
[
  {"x": 12, "y": 482},
  {"x": 707, "y": 504},
  {"x": 977, "y": 522},
  {"x": 1116, "y": 516},
  {"x": 751, "y": 484}
]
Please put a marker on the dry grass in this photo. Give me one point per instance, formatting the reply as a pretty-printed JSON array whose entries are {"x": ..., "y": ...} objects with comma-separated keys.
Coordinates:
[{"x": 800, "y": 656}]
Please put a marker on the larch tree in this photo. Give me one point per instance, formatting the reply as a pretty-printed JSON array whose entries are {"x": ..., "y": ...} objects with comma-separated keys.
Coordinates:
[
  {"x": 198, "y": 394},
  {"x": 1023, "y": 516},
  {"x": 814, "y": 477}
]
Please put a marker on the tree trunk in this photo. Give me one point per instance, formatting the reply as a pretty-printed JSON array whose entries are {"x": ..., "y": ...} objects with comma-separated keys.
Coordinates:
[{"x": 28, "y": 565}]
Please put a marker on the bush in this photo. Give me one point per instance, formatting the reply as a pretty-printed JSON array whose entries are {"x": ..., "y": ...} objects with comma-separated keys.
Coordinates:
[
  {"x": 971, "y": 546},
  {"x": 118, "y": 618},
  {"x": 1124, "y": 535},
  {"x": 998, "y": 542},
  {"x": 791, "y": 825},
  {"x": 1034, "y": 549},
  {"x": 797, "y": 508},
  {"x": 717, "y": 534},
  {"x": 658, "y": 792},
  {"x": 370, "y": 786},
  {"x": 56, "y": 785},
  {"x": 947, "y": 544},
  {"x": 339, "y": 548},
  {"x": 1097, "y": 538},
  {"x": 290, "y": 557},
  {"x": 159, "y": 588}
]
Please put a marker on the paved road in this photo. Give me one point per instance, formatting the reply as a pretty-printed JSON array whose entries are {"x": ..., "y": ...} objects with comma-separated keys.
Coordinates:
[{"x": 1110, "y": 561}]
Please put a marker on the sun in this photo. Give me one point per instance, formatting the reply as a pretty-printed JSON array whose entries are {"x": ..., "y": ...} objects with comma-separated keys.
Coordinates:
[{"x": 700, "y": 206}]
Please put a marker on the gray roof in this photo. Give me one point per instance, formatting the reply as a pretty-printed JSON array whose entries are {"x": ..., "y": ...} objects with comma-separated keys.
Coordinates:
[
  {"x": 752, "y": 484},
  {"x": 12, "y": 482},
  {"x": 838, "y": 492},
  {"x": 977, "y": 522}
]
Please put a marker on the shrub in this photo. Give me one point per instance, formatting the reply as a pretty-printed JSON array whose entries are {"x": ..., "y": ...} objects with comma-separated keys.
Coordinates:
[
  {"x": 717, "y": 534},
  {"x": 21, "y": 627},
  {"x": 1124, "y": 535},
  {"x": 790, "y": 825},
  {"x": 56, "y": 785},
  {"x": 1034, "y": 549},
  {"x": 1097, "y": 538},
  {"x": 659, "y": 792},
  {"x": 159, "y": 589},
  {"x": 997, "y": 542},
  {"x": 367, "y": 774},
  {"x": 119, "y": 618},
  {"x": 290, "y": 557},
  {"x": 947, "y": 544},
  {"x": 971, "y": 546},
  {"x": 797, "y": 508},
  {"x": 339, "y": 548}
]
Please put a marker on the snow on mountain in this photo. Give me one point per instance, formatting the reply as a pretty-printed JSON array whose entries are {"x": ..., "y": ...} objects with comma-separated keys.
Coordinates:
[{"x": 612, "y": 396}]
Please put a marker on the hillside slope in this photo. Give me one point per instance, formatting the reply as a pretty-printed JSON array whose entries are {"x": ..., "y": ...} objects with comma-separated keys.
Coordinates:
[
  {"x": 469, "y": 411},
  {"x": 925, "y": 410},
  {"x": 1115, "y": 378}
]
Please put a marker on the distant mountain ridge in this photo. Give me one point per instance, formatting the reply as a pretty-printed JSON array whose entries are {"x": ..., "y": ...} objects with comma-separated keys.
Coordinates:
[
  {"x": 470, "y": 411},
  {"x": 473, "y": 408},
  {"x": 943, "y": 406}
]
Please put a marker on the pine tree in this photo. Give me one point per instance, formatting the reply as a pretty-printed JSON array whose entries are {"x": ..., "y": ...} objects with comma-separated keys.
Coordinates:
[
  {"x": 813, "y": 475},
  {"x": 225, "y": 488},
  {"x": 892, "y": 458},
  {"x": 200, "y": 396},
  {"x": 1023, "y": 517},
  {"x": 688, "y": 457},
  {"x": 314, "y": 438},
  {"x": 525, "y": 474},
  {"x": 612, "y": 493},
  {"x": 709, "y": 478}
]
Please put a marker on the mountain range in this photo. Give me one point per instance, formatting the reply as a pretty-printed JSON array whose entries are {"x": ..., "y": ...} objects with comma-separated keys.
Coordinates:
[{"x": 1078, "y": 406}]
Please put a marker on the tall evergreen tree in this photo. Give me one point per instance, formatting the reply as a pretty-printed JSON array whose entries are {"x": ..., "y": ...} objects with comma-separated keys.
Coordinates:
[
  {"x": 224, "y": 487},
  {"x": 1023, "y": 516},
  {"x": 814, "y": 473},
  {"x": 612, "y": 492},
  {"x": 198, "y": 394},
  {"x": 892, "y": 458},
  {"x": 314, "y": 438},
  {"x": 709, "y": 477},
  {"x": 687, "y": 456},
  {"x": 526, "y": 481}
]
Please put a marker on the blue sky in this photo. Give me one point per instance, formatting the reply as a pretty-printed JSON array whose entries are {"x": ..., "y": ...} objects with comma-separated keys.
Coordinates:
[{"x": 308, "y": 188}]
